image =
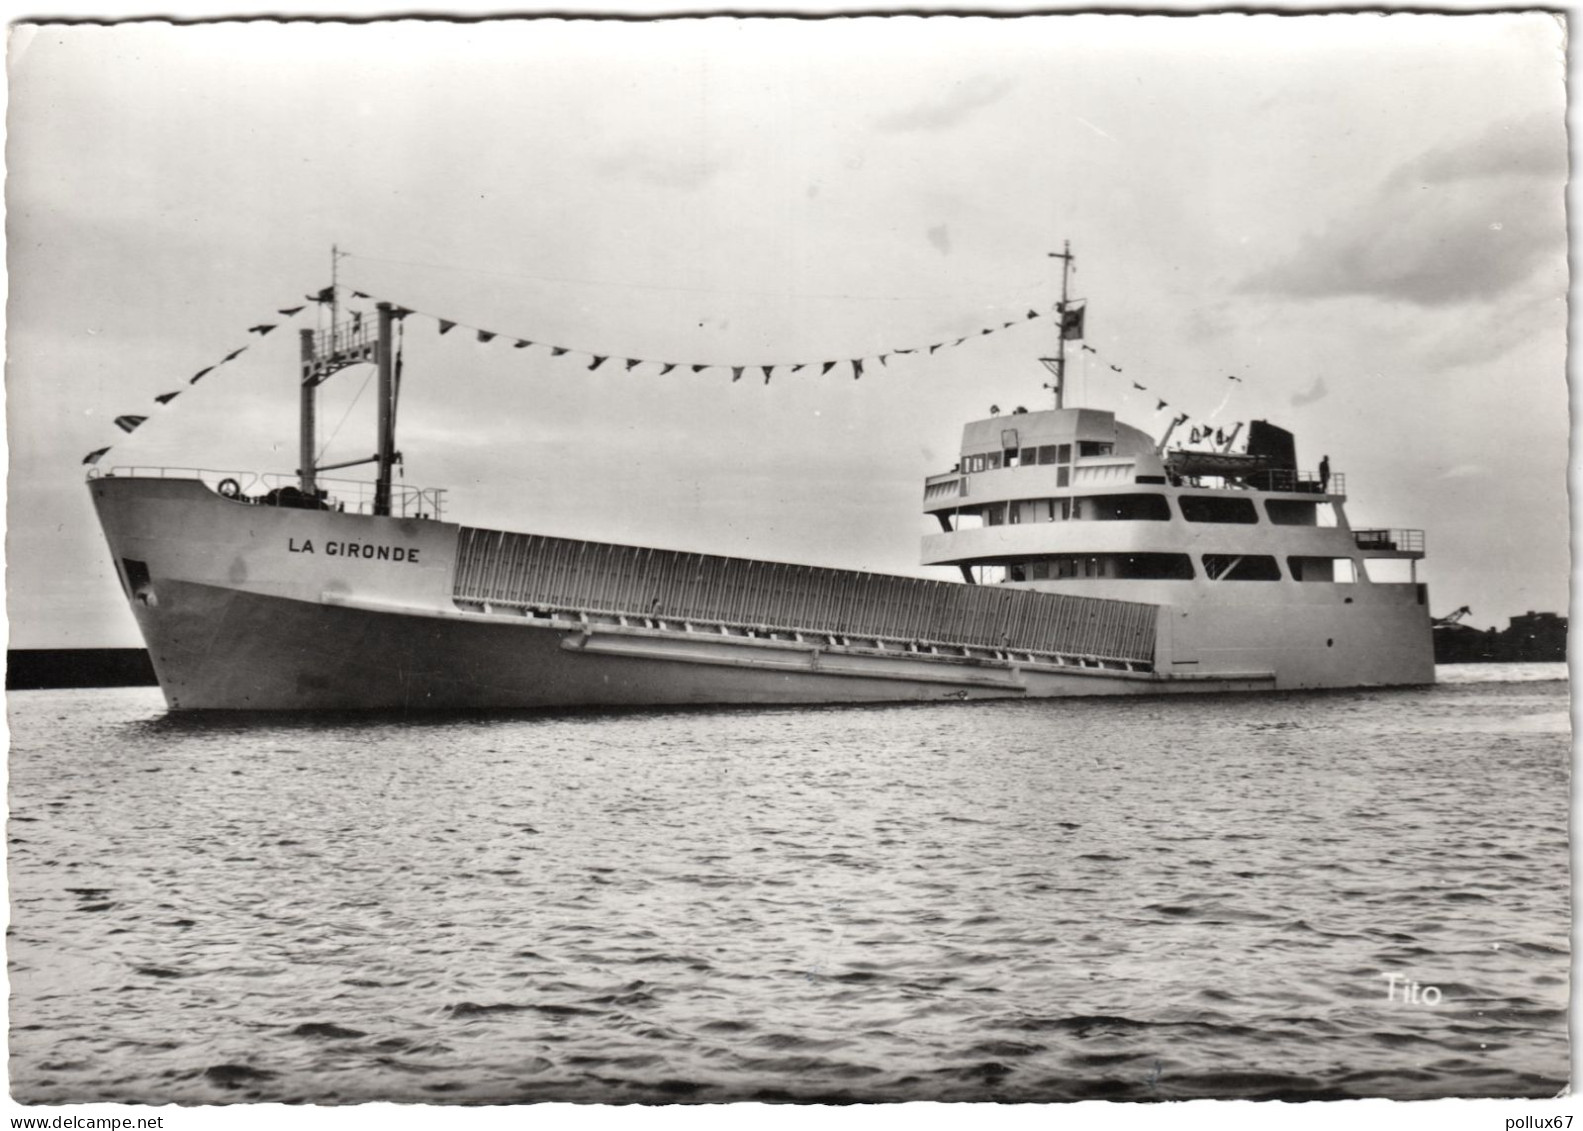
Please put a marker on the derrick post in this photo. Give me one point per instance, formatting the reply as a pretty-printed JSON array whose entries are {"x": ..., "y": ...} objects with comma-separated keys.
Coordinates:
[
  {"x": 307, "y": 479},
  {"x": 387, "y": 412}
]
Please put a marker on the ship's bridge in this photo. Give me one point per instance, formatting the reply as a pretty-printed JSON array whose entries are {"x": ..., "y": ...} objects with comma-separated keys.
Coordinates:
[
  {"x": 1070, "y": 497},
  {"x": 1068, "y": 447}
]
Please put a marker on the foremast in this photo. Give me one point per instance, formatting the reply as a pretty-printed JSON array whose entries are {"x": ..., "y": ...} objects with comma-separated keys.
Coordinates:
[{"x": 327, "y": 352}]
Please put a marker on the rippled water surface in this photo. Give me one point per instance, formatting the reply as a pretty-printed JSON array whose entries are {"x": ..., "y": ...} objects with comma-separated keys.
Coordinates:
[{"x": 1154, "y": 899}]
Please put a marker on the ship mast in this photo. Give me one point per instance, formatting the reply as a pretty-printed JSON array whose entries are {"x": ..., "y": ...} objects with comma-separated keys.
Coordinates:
[
  {"x": 313, "y": 374},
  {"x": 327, "y": 352},
  {"x": 1059, "y": 388},
  {"x": 386, "y": 453},
  {"x": 307, "y": 431}
]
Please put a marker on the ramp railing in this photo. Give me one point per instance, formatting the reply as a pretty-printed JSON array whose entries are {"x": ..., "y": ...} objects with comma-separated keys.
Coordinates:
[{"x": 528, "y": 571}]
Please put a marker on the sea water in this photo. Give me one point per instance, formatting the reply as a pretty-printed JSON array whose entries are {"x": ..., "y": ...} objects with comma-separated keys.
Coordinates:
[{"x": 1359, "y": 893}]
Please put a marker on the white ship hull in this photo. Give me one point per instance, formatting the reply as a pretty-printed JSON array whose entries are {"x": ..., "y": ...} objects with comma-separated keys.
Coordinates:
[{"x": 252, "y": 607}]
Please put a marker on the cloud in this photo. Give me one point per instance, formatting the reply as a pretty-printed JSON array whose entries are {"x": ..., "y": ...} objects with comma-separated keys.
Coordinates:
[
  {"x": 954, "y": 105},
  {"x": 1474, "y": 337},
  {"x": 1454, "y": 225},
  {"x": 1515, "y": 147},
  {"x": 1315, "y": 392}
]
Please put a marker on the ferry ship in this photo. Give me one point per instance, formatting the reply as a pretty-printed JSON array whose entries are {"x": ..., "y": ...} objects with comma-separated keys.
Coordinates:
[{"x": 1094, "y": 559}]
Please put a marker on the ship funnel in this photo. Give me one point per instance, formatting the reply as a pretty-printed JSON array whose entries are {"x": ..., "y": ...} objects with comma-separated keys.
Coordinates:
[{"x": 1274, "y": 443}]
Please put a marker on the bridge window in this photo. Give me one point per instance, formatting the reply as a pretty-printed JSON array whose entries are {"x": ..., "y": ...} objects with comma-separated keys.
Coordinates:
[
  {"x": 1126, "y": 508},
  {"x": 1050, "y": 569},
  {"x": 1047, "y": 453},
  {"x": 1095, "y": 447},
  {"x": 1300, "y": 512},
  {"x": 1389, "y": 571},
  {"x": 1290, "y": 512},
  {"x": 992, "y": 461},
  {"x": 1341, "y": 570},
  {"x": 1155, "y": 567},
  {"x": 1127, "y": 567},
  {"x": 1241, "y": 567},
  {"x": 1217, "y": 508},
  {"x": 1063, "y": 476}
]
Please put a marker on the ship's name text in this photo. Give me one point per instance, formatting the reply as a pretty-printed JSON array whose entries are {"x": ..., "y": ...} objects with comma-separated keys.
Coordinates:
[{"x": 356, "y": 550}]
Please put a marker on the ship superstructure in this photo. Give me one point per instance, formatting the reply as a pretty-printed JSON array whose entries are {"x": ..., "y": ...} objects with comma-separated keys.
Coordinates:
[
  {"x": 1093, "y": 561},
  {"x": 1251, "y": 561}
]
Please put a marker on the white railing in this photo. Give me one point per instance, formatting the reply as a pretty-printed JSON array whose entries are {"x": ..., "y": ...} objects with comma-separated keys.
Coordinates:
[
  {"x": 1395, "y": 541},
  {"x": 267, "y": 488},
  {"x": 498, "y": 570}
]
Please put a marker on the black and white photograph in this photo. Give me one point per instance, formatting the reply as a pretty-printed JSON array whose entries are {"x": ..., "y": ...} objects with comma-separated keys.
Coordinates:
[{"x": 772, "y": 561}]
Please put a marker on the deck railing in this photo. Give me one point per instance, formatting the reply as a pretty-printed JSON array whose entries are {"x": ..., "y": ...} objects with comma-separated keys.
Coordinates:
[
  {"x": 271, "y": 488},
  {"x": 1398, "y": 541},
  {"x": 1097, "y": 470},
  {"x": 1270, "y": 479},
  {"x": 1302, "y": 482},
  {"x": 525, "y": 571}
]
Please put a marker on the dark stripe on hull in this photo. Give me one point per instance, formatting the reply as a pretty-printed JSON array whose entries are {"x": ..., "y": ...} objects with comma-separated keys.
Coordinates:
[{"x": 216, "y": 648}]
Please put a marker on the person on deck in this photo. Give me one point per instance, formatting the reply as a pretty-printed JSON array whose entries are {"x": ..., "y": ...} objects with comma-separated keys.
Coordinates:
[{"x": 1324, "y": 475}]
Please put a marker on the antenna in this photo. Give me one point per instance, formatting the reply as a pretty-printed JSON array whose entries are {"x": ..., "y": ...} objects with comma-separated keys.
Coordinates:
[
  {"x": 336, "y": 255},
  {"x": 1065, "y": 256}
]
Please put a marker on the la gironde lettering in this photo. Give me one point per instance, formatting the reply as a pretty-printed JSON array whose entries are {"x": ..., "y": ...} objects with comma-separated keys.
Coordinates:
[{"x": 371, "y": 550}]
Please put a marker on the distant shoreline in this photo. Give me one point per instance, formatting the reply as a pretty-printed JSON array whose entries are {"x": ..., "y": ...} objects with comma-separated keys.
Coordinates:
[{"x": 37, "y": 669}]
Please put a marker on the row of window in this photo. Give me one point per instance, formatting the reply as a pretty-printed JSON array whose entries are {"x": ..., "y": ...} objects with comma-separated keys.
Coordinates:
[
  {"x": 1148, "y": 508},
  {"x": 1028, "y": 457},
  {"x": 1179, "y": 567}
]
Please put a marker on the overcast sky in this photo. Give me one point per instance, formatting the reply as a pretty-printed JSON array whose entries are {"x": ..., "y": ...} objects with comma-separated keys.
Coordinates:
[{"x": 1361, "y": 216}]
